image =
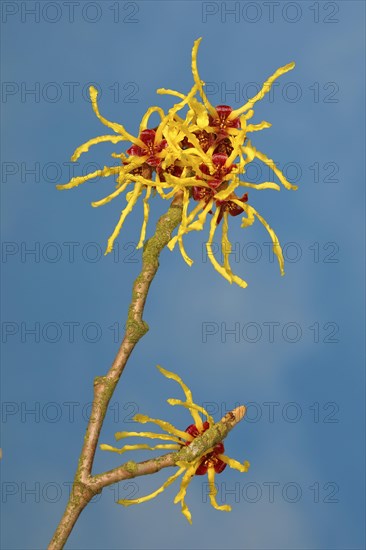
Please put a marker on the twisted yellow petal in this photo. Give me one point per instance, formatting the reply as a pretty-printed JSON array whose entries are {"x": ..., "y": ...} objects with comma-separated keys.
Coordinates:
[
  {"x": 113, "y": 195},
  {"x": 234, "y": 463},
  {"x": 166, "y": 426},
  {"x": 200, "y": 113},
  {"x": 78, "y": 180},
  {"x": 276, "y": 244},
  {"x": 210, "y": 253},
  {"x": 197, "y": 79},
  {"x": 265, "y": 89},
  {"x": 269, "y": 162},
  {"x": 168, "y": 482},
  {"x": 185, "y": 256},
  {"x": 173, "y": 111},
  {"x": 118, "y": 128},
  {"x": 183, "y": 489},
  {"x": 226, "y": 250},
  {"x": 100, "y": 139},
  {"x": 260, "y": 186},
  {"x": 130, "y": 204},
  {"x": 256, "y": 127},
  {"x": 150, "y": 435},
  {"x": 146, "y": 218},
  {"x": 213, "y": 491},
  {"x": 200, "y": 222},
  {"x": 188, "y": 394},
  {"x": 185, "y": 229},
  {"x": 161, "y": 91},
  {"x": 147, "y": 115},
  {"x": 138, "y": 446},
  {"x": 225, "y": 193},
  {"x": 193, "y": 406}
]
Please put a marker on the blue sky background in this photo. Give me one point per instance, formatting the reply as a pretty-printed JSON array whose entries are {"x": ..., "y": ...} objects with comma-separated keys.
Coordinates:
[{"x": 305, "y": 433}]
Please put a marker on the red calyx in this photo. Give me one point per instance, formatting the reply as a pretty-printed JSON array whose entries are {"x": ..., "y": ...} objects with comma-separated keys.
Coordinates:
[
  {"x": 147, "y": 136},
  {"x": 201, "y": 193},
  {"x": 231, "y": 207},
  {"x": 224, "y": 146},
  {"x": 211, "y": 459},
  {"x": 193, "y": 430},
  {"x": 223, "y": 111},
  {"x": 173, "y": 169},
  {"x": 219, "y": 159}
]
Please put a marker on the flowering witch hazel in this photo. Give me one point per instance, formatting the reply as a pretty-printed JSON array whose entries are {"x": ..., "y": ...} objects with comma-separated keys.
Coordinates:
[
  {"x": 213, "y": 461},
  {"x": 197, "y": 152}
]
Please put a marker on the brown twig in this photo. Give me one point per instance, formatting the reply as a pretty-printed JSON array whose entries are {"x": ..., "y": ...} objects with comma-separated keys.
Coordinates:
[
  {"x": 85, "y": 485},
  {"x": 104, "y": 386}
]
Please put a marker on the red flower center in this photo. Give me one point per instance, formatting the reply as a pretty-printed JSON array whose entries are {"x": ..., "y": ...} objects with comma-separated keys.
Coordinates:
[
  {"x": 220, "y": 122},
  {"x": 173, "y": 169},
  {"x": 203, "y": 193},
  {"x": 151, "y": 148},
  {"x": 205, "y": 140},
  {"x": 220, "y": 170},
  {"x": 211, "y": 459}
]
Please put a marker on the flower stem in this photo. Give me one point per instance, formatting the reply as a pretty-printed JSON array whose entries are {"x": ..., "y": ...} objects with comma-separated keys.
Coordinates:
[{"x": 104, "y": 386}]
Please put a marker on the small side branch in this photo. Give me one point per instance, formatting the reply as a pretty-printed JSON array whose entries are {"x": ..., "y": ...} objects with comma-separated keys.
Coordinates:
[
  {"x": 82, "y": 493},
  {"x": 189, "y": 453}
]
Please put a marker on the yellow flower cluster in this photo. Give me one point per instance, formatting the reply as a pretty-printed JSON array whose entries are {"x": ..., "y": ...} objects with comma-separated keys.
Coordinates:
[
  {"x": 197, "y": 151},
  {"x": 213, "y": 462}
]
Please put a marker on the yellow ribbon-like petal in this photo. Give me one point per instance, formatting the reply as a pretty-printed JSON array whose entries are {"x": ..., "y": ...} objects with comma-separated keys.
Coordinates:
[
  {"x": 161, "y": 91},
  {"x": 257, "y": 127},
  {"x": 237, "y": 144},
  {"x": 138, "y": 446},
  {"x": 78, "y": 180},
  {"x": 170, "y": 116},
  {"x": 187, "y": 392},
  {"x": 210, "y": 253},
  {"x": 185, "y": 256},
  {"x": 185, "y": 229},
  {"x": 118, "y": 128},
  {"x": 200, "y": 222},
  {"x": 269, "y": 162},
  {"x": 225, "y": 193},
  {"x": 147, "y": 115},
  {"x": 200, "y": 112},
  {"x": 226, "y": 250},
  {"x": 112, "y": 196},
  {"x": 213, "y": 491},
  {"x": 193, "y": 406},
  {"x": 260, "y": 186},
  {"x": 183, "y": 489},
  {"x": 146, "y": 218},
  {"x": 150, "y": 435},
  {"x": 250, "y": 219},
  {"x": 265, "y": 89},
  {"x": 166, "y": 426},
  {"x": 131, "y": 203},
  {"x": 197, "y": 79},
  {"x": 276, "y": 244},
  {"x": 84, "y": 148},
  {"x": 168, "y": 482},
  {"x": 234, "y": 463}
]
